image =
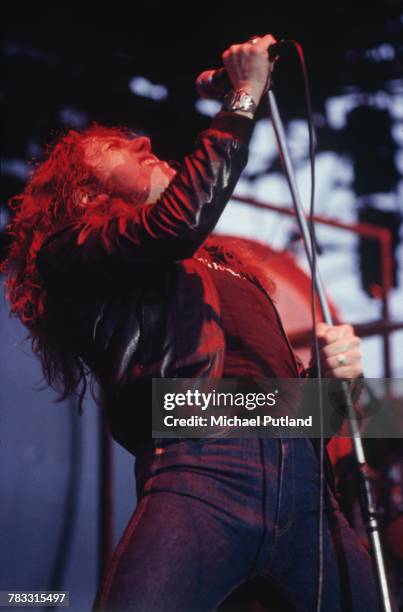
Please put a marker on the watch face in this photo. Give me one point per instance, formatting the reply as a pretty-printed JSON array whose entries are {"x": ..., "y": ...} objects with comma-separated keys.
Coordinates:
[
  {"x": 245, "y": 101},
  {"x": 239, "y": 100}
]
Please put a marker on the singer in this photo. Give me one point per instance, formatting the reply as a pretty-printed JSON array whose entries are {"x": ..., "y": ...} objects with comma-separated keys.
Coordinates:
[{"x": 111, "y": 270}]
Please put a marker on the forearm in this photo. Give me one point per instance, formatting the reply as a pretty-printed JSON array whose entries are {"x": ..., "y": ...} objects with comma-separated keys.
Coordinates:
[
  {"x": 190, "y": 207},
  {"x": 173, "y": 227}
]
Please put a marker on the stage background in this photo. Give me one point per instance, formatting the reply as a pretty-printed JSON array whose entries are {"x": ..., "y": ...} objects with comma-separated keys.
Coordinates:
[{"x": 65, "y": 69}]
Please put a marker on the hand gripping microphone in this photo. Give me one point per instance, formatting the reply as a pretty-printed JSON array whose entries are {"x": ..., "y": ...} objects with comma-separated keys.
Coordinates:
[{"x": 214, "y": 84}]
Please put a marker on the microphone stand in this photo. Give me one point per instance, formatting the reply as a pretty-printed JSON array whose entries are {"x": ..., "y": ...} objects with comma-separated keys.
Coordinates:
[{"x": 366, "y": 498}]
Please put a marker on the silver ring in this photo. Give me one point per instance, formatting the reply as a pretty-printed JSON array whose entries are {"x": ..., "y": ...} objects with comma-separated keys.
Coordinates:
[
  {"x": 341, "y": 360},
  {"x": 253, "y": 41}
]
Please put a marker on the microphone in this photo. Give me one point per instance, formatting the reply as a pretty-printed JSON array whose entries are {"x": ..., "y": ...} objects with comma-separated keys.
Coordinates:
[{"x": 214, "y": 84}]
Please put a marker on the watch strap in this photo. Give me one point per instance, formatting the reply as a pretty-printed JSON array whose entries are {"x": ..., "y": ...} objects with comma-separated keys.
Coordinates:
[{"x": 238, "y": 99}]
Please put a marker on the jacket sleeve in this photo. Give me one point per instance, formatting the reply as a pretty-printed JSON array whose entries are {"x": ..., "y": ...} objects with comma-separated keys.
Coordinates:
[{"x": 172, "y": 228}]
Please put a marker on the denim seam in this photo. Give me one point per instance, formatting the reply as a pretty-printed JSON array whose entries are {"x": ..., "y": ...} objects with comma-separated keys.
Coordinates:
[
  {"x": 278, "y": 504},
  {"x": 281, "y": 531}
]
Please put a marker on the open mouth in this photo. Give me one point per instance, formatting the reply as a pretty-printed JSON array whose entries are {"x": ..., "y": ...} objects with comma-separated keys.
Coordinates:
[{"x": 150, "y": 161}]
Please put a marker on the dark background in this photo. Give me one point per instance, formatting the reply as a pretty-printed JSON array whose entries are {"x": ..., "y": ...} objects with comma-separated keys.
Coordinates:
[
  {"x": 75, "y": 58},
  {"x": 63, "y": 68}
]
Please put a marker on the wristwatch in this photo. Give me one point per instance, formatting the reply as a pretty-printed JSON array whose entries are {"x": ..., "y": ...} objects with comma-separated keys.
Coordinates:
[{"x": 238, "y": 99}]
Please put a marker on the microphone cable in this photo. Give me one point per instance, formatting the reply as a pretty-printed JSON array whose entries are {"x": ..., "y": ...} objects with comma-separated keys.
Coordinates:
[{"x": 313, "y": 266}]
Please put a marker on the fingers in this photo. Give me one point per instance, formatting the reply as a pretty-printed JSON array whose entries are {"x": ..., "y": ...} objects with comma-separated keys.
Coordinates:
[
  {"x": 256, "y": 45},
  {"x": 263, "y": 43},
  {"x": 347, "y": 372},
  {"x": 235, "y": 52},
  {"x": 338, "y": 347},
  {"x": 340, "y": 351},
  {"x": 327, "y": 334},
  {"x": 342, "y": 361},
  {"x": 321, "y": 329},
  {"x": 248, "y": 65}
]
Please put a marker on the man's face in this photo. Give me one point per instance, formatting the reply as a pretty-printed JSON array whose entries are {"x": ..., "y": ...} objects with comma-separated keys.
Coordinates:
[{"x": 128, "y": 167}]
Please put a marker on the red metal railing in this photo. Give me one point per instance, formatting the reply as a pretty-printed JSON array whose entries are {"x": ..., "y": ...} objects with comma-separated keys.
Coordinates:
[{"x": 381, "y": 234}]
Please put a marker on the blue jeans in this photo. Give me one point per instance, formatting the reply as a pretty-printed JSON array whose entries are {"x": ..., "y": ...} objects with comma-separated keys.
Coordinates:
[{"x": 214, "y": 513}]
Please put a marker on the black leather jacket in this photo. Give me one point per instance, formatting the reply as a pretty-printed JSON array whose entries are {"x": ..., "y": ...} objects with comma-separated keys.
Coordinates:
[{"x": 133, "y": 302}]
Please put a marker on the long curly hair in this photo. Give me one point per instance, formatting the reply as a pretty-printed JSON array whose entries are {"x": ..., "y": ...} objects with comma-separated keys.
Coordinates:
[{"x": 53, "y": 196}]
